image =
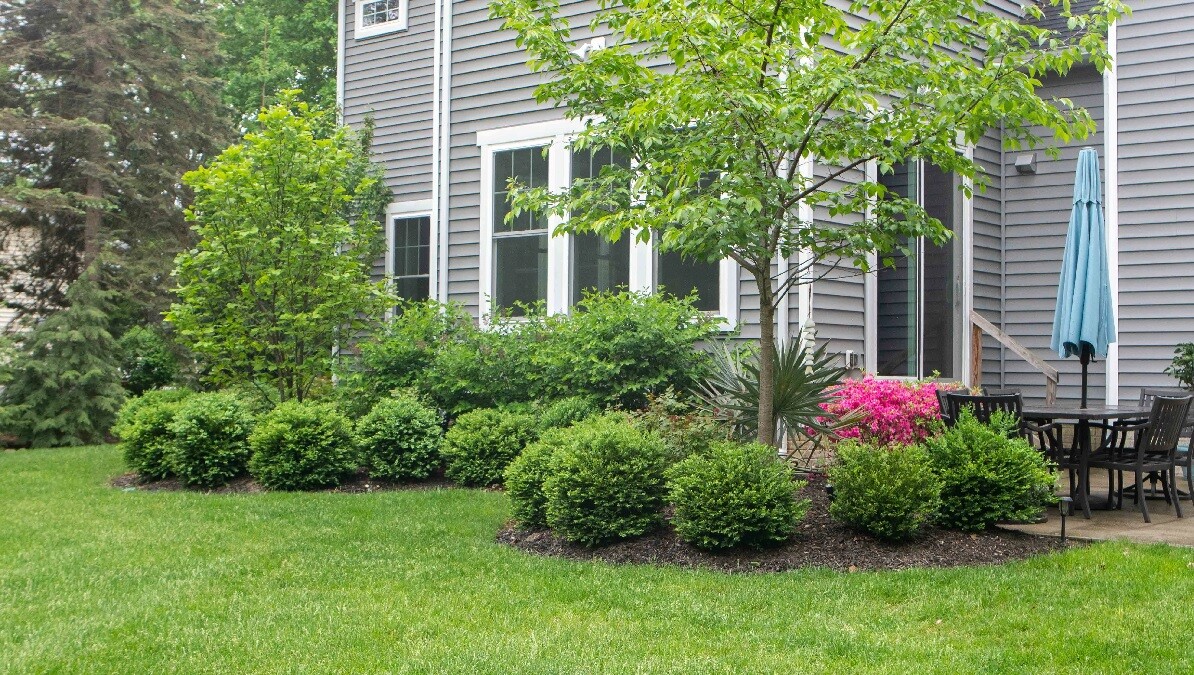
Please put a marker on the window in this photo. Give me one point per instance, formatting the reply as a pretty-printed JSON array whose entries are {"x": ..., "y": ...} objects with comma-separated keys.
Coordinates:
[
  {"x": 375, "y": 17},
  {"x": 918, "y": 311},
  {"x": 681, "y": 276},
  {"x": 520, "y": 245},
  {"x": 411, "y": 261},
  {"x": 597, "y": 263},
  {"x": 520, "y": 262}
]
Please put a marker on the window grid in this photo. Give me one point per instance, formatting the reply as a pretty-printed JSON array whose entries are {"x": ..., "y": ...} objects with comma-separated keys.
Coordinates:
[
  {"x": 597, "y": 263},
  {"x": 412, "y": 257},
  {"x": 381, "y": 11},
  {"x": 520, "y": 245}
]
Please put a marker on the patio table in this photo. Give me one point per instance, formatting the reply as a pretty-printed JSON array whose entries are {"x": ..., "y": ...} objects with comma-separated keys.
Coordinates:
[{"x": 1081, "y": 418}]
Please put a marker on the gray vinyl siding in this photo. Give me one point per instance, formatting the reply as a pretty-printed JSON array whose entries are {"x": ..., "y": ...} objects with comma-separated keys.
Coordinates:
[
  {"x": 988, "y": 249},
  {"x": 1036, "y": 211},
  {"x": 492, "y": 87},
  {"x": 839, "y": 295},
  {"x": 389, "y": 77},
  {"x": 1156, "y": 178}
]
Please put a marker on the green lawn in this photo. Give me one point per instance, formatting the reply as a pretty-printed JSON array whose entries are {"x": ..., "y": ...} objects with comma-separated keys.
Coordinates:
[{"x": 93, "y": 579}]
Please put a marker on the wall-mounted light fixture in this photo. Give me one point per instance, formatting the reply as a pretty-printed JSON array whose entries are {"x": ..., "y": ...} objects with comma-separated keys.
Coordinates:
[
  {"x": 594, "y": 45},
  {"x": 1026, "y": 163}
]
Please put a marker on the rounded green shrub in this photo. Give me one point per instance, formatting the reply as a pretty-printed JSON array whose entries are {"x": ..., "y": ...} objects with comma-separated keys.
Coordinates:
[
  {"x": 482, "y": 443},
  {"x": 526, "y": 475},
  {"x": 209, "y": 440},
  {"x": 146, "y": 440},
  {"x": 606, "y": 481},
  {"x": 302, "y": 446},
  {"x": 734, "y": 494},
  {"x": 988, "y": 473},
  {"x": 399, "y": 439},
  {"x": 566, "y": 412},
  {"x": 887, "y": 492},
  {"x": 150, "y": 398}
]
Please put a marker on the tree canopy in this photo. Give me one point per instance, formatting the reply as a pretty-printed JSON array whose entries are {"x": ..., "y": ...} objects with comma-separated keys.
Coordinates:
[{"x": 736, "y": 114}]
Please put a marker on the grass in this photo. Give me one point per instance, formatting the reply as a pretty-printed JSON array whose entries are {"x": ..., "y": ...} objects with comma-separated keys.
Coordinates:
[{"x": 93, "y": 579}]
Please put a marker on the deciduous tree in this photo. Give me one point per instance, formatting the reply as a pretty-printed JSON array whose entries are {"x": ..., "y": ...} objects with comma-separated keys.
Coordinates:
[
  {"x": 737, "y": 112},
  {"x": 288, "y": 223}
]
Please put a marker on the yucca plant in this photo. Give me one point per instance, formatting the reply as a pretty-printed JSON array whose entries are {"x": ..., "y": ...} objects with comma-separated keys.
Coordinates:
[{"x": 802, "y": 381}]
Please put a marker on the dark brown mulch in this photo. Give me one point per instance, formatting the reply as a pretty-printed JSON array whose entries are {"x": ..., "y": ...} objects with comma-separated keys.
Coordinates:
[
  {"x": 358, "y": 483},
  {"x": 820, "y": 541}
]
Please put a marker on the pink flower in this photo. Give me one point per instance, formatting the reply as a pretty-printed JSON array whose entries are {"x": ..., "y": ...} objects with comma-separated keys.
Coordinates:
[{"x": 892, "y": 411}]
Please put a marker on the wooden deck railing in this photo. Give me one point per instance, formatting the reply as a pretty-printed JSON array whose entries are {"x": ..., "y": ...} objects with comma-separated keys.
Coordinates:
[{"x": 978, "y": 326}]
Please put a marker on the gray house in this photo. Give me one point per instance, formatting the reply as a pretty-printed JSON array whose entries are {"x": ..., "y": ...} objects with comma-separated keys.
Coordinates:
[{"x": 455, "y": 116}]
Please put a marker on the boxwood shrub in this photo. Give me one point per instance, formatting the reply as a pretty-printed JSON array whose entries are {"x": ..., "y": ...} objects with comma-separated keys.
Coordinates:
[
  {"x": 606, "y": 481},
  {"x": 526, "y": 475},
  {"x": 209, "y": 439},
  {"x": 399, "y": 439},
  {"x": 988, "y": 473},
  {"x": 482, "y": 443},
  {"x": 734, "y": 494},
  {"x": 888, "y": 492},
  {"x": 143, "y": 427},
  {"x": 302, "y": 446}
]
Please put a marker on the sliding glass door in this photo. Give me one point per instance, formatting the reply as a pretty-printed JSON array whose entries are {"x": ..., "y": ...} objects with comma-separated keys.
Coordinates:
[{"x": 918, "y": 311}]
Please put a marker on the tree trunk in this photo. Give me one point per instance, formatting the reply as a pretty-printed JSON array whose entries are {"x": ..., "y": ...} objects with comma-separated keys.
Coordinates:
[
  {"x": 766, "y": 358},
  {"x": 94, "y": 186}
]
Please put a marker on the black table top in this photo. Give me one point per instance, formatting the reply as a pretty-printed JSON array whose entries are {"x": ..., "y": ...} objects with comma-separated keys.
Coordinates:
[{"x": 1071, "y": 411}]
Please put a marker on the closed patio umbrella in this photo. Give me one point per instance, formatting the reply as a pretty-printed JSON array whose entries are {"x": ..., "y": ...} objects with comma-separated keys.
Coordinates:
[{"x": 1084, "y": 323}]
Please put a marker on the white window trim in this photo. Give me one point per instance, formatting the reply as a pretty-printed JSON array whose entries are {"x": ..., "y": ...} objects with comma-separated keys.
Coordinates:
[
  {"x": 383, "y": 28},
  {"x": 557, "y": 135},
  {"x": 419, "y": 208}
]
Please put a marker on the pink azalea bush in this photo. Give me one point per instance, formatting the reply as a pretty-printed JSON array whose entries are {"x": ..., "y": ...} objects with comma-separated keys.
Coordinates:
[{"x": 891, "y": 412}]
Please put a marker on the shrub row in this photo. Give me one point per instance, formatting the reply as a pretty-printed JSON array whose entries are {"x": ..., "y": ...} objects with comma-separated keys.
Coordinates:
[
  {"x": 613, "y": 350},
  {"x": 968, "y": 478},
  {"x": 208, "y": 439},
  {"x": 608, "y": 478}
]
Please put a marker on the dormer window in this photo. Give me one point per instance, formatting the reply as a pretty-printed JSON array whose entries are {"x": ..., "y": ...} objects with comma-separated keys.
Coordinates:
[{"x": 375, "y": 17}]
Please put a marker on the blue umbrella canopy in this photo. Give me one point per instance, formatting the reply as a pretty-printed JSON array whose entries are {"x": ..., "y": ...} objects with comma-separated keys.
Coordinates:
[{"x": 1084, "y": 322}]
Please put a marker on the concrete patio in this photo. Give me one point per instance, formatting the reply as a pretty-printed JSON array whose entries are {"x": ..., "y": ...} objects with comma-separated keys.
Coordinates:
[{"x": 1126, "y": 524}]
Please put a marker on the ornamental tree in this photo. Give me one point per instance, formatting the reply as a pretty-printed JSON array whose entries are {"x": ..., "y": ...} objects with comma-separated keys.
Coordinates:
[
  {"x": 735, "y": 114},
  {"x": 288, "y": 223}
]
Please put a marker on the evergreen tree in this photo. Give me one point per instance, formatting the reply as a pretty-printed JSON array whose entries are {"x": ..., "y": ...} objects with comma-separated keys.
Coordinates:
[
  {"x": 65, "y": 381},
  {"x": 104, "y": 104}
]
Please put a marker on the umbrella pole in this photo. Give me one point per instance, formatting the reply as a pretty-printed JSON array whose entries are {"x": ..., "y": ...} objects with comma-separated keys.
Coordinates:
[{"x": 1084, "y": 357}]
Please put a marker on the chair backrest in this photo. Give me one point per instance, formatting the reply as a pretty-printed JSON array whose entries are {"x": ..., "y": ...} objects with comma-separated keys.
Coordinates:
[
  {"x": 1167, "y": 419},
  {"x": 944, "y": 405},
  {"x": 1147, "y": 394},
  {"x": 984, "y": 406}
]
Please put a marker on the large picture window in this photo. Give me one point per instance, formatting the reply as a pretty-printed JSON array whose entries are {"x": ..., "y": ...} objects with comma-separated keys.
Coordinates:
[
  {"x": 918, "y": 309},
  {"x": 520, "y": 245},
  {"x": 597, "y": 263}
]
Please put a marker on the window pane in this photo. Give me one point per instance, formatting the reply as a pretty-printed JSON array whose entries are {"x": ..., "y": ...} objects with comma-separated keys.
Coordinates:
[
  {"x": 413, "y": 288},
  {"x": 938, "y": 281},
  {"x": 897, "y": 290},
  {"x": 528, "y": 167},
  {"x": 680, "y": 276},
  {"x": 598, "y": 265},
  {"x": 520, "y": 270}
]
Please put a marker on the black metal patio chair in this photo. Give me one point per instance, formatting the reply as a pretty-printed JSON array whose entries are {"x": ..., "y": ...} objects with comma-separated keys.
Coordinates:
[
  {"x": 983, "y": 406},
  {"x": 1144, "y": 448}
]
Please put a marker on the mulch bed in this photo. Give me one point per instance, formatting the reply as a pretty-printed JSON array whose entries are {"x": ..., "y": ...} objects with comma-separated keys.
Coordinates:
[
  {"x": 359, "y": 483},
  {"x": 820, "y": 542}
]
